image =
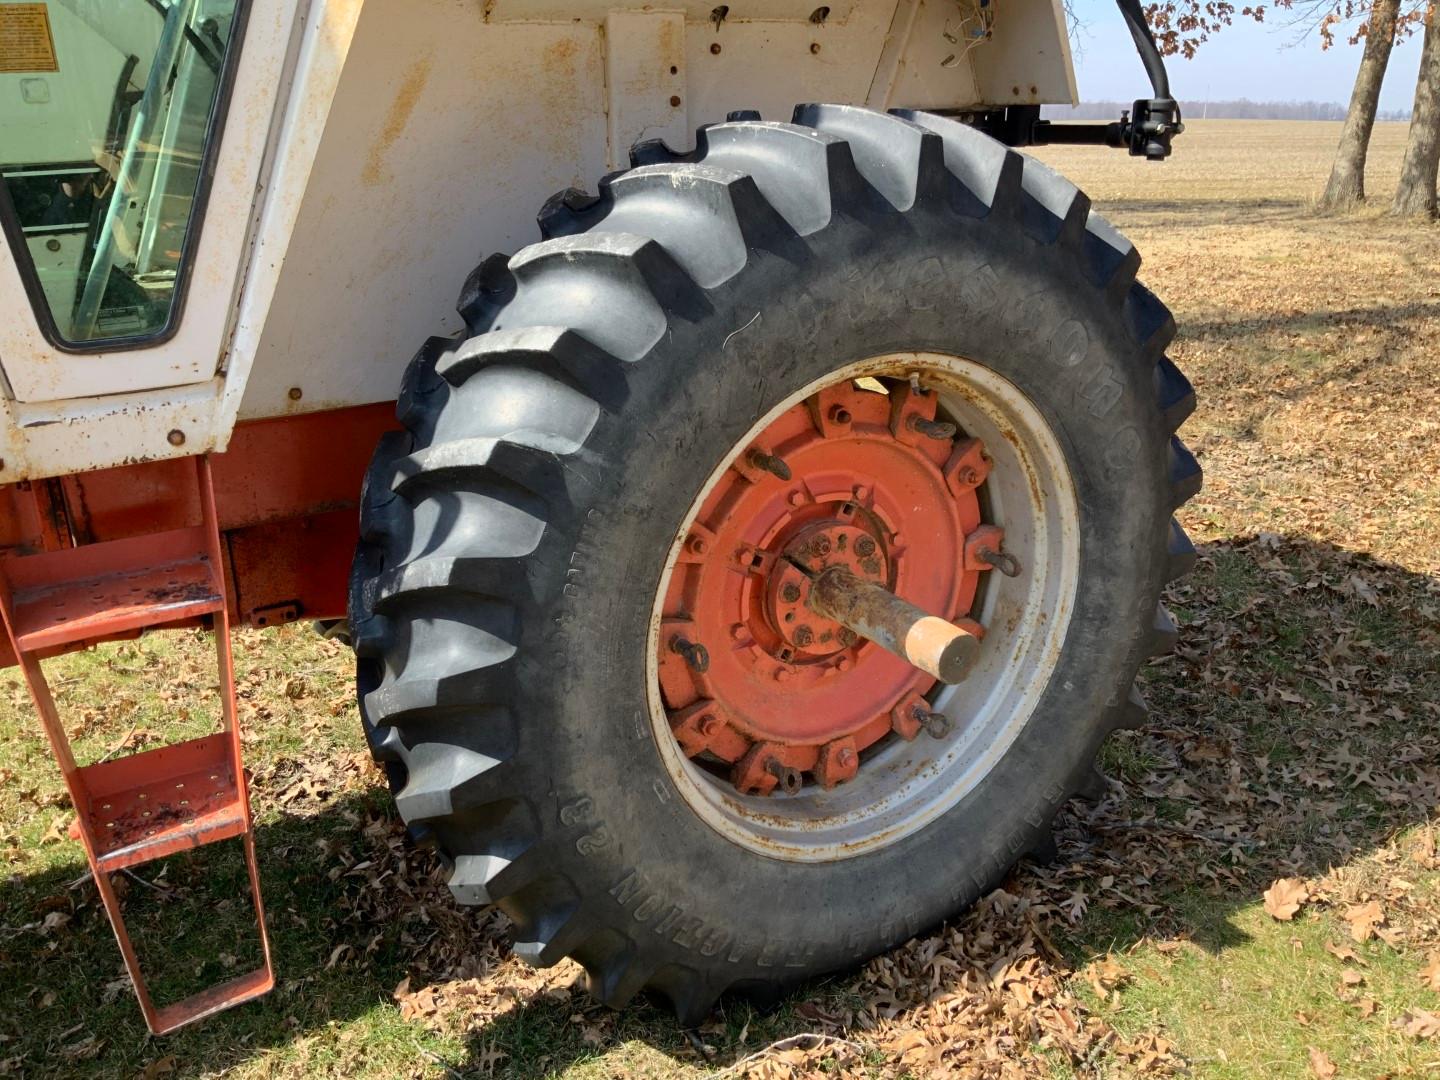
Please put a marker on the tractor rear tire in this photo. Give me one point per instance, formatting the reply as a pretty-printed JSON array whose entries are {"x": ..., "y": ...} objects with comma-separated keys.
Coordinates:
[{"x": 515, "y": 533}]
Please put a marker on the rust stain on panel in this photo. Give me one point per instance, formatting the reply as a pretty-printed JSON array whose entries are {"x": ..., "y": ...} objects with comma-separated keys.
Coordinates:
[
  {"x": 395, "y": 120},
  {"x": 559, "y": 58}
]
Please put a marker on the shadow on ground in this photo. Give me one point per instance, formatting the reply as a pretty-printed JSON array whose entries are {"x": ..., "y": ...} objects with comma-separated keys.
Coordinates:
[
  {"x": 1294, "y": 728},
  {"x": 1380, "y": 316},
  {"x": 1184, "y": 214}
]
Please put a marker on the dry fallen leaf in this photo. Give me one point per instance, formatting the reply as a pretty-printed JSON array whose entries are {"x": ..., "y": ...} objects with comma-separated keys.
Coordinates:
[
  {"x": 83, "y": 1049},
  {"x": 1364, "y": 918},
  {"x": 1362, "y": 589},
  {"x": 1344, "y": 953},
  {"x": 1419, "y": 1024},
  {"x": 1283, "y": 899},
  {"x": 1430, "y": 973},
  {"x": 1105, "y": 975},
  {"x": 1423, "y": 852},
  {"x": 1321, "y": 1067},
  {"x": 58, "y": 831}
]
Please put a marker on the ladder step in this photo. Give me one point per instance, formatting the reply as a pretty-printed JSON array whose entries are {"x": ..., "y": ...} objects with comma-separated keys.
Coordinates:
[
  {"x": 161, "y": 801},
  {"x": 78, "y": 594},
  {"x": 212, "y": 1000}
]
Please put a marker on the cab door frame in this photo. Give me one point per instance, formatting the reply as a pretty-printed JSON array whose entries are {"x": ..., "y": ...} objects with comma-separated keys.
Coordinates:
[
  {"x": 37, "y": 369},
  {"x": 65, "y": 411},
  {"x": 113, "y": 405}
]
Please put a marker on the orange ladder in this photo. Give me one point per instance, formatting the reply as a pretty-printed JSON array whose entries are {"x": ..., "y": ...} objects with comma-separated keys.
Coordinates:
[{"x": 173, "y": 798}]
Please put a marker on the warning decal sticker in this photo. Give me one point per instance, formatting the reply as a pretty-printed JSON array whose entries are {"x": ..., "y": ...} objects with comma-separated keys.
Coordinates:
[{"x": 25, "y": 41}]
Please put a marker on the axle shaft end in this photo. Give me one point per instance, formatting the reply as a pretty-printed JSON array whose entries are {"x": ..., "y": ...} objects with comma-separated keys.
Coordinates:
[
  {"x": 940, "y": 647},
  {"x": 934, "y": 645}
]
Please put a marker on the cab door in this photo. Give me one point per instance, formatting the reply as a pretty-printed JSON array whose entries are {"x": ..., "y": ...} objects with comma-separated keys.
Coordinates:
[{"x": 132, "y": 136}]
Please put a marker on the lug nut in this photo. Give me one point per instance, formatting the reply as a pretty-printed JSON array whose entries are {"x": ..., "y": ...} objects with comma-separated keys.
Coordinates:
[
  {"x": 710, "y": 725},
  {"x": 864, "y": 547},
  {"x": 790, "y": 592},
  {"x": 846, "y": 757},
  {"x": 931, "y": 429},
  {"x": 694, "y": 653},
  {"x": 789, "y": 780},
  {"x": 770, "y": 463},
  {"x": 699, "y": 545}
]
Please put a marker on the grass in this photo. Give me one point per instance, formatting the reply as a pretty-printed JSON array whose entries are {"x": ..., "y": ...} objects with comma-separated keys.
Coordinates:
[
  {"x": 1294, "y": 734},
  {"x": 1209, "y": 1000}
]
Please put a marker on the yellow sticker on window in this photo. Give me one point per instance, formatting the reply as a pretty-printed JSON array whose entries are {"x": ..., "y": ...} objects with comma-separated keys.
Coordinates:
[{"x": 25, "y": 41}]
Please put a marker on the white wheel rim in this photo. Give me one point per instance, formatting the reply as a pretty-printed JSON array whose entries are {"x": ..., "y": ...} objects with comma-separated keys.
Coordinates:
[{"x": 905, "y": 786}]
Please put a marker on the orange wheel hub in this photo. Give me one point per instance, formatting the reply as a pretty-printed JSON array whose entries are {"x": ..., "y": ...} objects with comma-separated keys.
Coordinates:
[{"x": 749, "y": 675}]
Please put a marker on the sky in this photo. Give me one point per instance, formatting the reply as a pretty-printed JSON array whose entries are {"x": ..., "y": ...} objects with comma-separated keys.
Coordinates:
[{"x": 1259, "y": 61}]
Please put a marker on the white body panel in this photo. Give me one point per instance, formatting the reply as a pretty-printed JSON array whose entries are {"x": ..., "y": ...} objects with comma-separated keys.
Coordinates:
[{"x": 376, "y": 150}]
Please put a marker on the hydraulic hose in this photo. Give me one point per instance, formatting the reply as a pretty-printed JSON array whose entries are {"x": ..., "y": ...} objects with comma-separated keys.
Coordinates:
[{"x": 1134, "y": 16}]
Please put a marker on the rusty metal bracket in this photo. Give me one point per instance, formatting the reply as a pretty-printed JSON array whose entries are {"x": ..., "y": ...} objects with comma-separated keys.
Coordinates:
[{"x": 275, "y": 614}]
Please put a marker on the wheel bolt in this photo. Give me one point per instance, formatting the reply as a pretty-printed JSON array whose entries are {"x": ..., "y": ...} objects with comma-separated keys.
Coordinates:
[
  {"x": 803, "y": 636},
  {"x": 790, "y": 780},
  {"x": 738, "y": 631},
  {"x": 710, "y": 725},
  {"x": 968, "y": 477},
  {"x": 770, "y": 463},
  {"x": 864, "y": 546},
  {"x": 1006, "y": 564},
  {"x": 698, "y": 545},
  {"x": 790, "y": 592},
  {"x": 937, "y": 725},
  {"x": 695, "y": 654},
  {"x": 797, "y": 498},
  {"x": 846, "y": 757},
  {"x": 931, "y": 429}
]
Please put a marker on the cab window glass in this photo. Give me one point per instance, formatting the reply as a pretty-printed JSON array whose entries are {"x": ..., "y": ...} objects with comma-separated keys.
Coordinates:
[{"x": 105, "y": 112}]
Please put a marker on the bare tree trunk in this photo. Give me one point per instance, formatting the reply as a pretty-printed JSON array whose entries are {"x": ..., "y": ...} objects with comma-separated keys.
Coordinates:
[
  {"x": 1347, "y": 177},
  {"x": 1416, "y": 193}
]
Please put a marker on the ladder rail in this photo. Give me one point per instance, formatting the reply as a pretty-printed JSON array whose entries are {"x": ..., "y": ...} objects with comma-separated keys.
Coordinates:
[{"x": 183, "y": 833}]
